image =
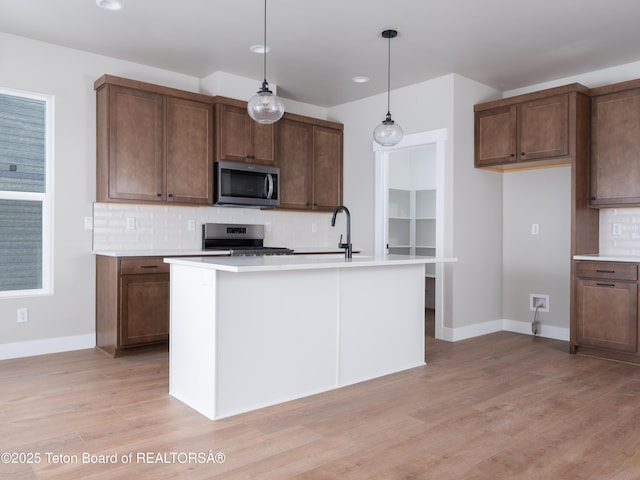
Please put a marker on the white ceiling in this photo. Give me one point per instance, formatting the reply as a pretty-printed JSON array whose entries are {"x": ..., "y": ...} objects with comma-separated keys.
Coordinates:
[{"x": 318, "y": 45}]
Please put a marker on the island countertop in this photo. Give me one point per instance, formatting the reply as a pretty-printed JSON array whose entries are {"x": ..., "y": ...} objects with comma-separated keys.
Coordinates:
[
  {"x": 608, "y": 258},
  {"x": 271, "y": 263}
]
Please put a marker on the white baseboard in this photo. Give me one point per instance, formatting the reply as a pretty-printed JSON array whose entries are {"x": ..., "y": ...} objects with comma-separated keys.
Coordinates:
[
  {"x": 46, "y": 346},
  {"x": 546, "y": 331},
  {"x": 516, "y": 326},
  {"x": 81, "y": 342},
  {"x": 470, "y": 331}
]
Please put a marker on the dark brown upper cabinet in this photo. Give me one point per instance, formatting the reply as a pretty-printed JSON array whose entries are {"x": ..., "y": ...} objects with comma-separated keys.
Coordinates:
[
  {"x": 310, "y": 160},
  {"x": 154, "y": 144},
  {"x": 615, "y": 145},
  {"x": 239, "y": 138},
  {"x": 526, "y": 131}
]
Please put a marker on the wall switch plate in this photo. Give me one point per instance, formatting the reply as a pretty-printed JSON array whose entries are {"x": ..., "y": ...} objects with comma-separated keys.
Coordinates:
[
  {"x": 616, "y": 229},
  {"x": 191, "y": 225},
  {"x": 314, "y": 228},
  {"x": 88, "y": 223},
  {"x": 267, "y": 226},
  {"x": 23, "y": 315},
  {"x": 535, "y": 229}
]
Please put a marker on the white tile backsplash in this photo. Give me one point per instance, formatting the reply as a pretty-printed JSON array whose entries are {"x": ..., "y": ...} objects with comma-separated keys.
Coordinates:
[
  {"x": 161, "y": 227},
  {"x": 628, "y": 242}
]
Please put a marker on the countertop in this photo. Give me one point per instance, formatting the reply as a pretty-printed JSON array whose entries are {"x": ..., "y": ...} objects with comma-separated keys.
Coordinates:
[
  {"x": 205, "y": 253},
  {"x": 301, "y": 262},
  {"x": 161, "y": 253},
  {"x": 608, "y": 258}
]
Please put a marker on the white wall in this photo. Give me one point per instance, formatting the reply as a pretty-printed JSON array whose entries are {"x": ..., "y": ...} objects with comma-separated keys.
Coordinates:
[
  {"x": 477, "y": 223},
  {"x": 537, "y": 263}
]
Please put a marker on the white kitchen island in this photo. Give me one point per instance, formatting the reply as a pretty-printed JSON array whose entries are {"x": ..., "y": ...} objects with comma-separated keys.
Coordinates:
[{"x": 249, "y": 332}]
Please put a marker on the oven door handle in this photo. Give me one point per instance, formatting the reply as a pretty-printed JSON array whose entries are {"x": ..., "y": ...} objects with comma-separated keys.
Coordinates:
[{"x": 268, "y": 184}]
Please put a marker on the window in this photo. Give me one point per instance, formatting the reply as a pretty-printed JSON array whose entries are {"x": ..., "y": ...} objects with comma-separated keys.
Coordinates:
[{"x": 25, "y": 193}]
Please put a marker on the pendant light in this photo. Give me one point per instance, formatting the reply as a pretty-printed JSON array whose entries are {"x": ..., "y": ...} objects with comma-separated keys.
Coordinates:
[
  {"x": 265, "y": 107},
  {"x": 388, "y": 133}
]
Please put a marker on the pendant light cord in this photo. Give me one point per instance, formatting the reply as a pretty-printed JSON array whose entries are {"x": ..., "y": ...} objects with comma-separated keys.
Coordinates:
[
  {"x": 265, "y": 42},
  {"x": 388, "y": 77}
]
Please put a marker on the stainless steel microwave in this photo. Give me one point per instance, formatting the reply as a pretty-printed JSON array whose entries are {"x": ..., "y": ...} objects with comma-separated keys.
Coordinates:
[{"x": 246, "y": 185}]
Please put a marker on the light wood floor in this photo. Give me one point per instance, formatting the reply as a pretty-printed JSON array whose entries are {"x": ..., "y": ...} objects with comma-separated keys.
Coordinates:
[{"x": 498, "y": 406}]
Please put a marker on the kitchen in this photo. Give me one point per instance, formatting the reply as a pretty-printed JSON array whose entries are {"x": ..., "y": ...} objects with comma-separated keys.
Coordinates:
[
  {"x": 478, "y": 226},
  {"x": 488, "y": 236}
]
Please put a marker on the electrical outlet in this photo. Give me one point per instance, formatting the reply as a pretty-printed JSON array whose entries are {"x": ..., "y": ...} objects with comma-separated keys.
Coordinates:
[
  {"x": 616, "y": 229},
  {"x": 267, "y": 226},
  {"x": 88, "y": 223},
  {"x": 314, "y": 228},
  {"x": 23, "y": 315},
  {"x": 131, "y": 223},
  {"x": 535, "y": 229},
  {"x": 191, "y": 225},
  {"x": 538, "y": 299}
]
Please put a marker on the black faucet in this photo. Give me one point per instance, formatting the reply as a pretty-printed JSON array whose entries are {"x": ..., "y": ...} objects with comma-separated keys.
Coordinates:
[{"x": 348, "y": 249}]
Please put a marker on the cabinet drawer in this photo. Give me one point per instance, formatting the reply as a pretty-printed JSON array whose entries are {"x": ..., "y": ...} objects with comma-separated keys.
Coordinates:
[
  {"x": 129, "y": 266},
  {"x": 609, "y": 271}
]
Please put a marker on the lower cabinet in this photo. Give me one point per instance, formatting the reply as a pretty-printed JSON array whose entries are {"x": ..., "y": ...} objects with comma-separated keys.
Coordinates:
[
  {"x": 606, "y": 310},
  {"x": 132, "y": 303}
]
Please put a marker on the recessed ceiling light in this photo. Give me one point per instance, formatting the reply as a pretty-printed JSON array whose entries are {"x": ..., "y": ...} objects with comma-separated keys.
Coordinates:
[
  {"x": 259, "y": 48},
  {"x": 110, "y": 4},
  {"x": 360, "y": 79}
]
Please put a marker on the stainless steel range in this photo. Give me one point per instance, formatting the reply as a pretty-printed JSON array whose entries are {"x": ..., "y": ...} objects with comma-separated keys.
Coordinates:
[{"x": 239, "y": 239}]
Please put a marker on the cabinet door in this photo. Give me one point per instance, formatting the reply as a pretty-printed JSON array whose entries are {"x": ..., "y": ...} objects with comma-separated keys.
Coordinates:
[
  {"x": 136, "y": 143},
  {"x": 233, "y": 133},
  {"x": 495, "y": 136},
  {"x": 144, "y": 309},
  {"x": 295, "y": 162},
  {"x": 615, "y": 154},
  {"x": 263, "y": 149},
  {"x": 189, "y": 151},
  {"x": 607, "y": 314},
  {"x": 327, "y": 168},
  {"x": 240, "y": 139},
  {"x": 544, "y": 128}
]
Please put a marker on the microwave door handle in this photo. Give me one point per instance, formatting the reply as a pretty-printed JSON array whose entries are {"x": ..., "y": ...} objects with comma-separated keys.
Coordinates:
[{"x": 269, "y": 180}]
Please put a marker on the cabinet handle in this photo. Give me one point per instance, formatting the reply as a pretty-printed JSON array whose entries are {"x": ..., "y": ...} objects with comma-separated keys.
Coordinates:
[
  {"x": 606, "y": 284},
  {"x": 523, "y": 153},
  {"x": 512, "y": 154},
  {"x": 148, "y": 266},
  {"x": 170, "y": 195},
  {"x": 605, "y": 271},
  {"x": 158, "y": 194}
]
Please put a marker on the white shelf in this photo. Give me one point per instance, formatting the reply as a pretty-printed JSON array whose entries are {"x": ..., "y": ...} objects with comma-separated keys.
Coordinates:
[{"x": 412, "y": 223}]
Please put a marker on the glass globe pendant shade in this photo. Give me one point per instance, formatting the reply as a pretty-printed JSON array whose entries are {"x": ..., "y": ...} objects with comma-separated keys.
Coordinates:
[
  {"x": 388, "y": 133},
  {"x": 265, "y": 107}
]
